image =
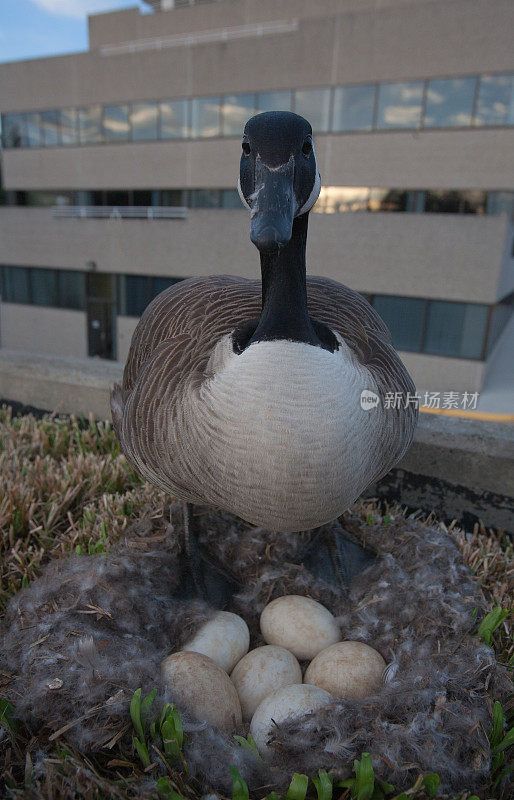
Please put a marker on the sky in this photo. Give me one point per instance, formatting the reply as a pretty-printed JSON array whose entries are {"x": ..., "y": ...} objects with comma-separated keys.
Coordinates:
[{"x": 37, "y": 28}]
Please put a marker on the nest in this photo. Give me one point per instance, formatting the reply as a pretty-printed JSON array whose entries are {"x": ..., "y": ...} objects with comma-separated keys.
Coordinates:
[{"x": 92, "y": 629}]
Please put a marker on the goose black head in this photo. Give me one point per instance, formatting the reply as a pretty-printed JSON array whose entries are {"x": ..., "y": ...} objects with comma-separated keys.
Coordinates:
[{"x": 278, "y": 178}]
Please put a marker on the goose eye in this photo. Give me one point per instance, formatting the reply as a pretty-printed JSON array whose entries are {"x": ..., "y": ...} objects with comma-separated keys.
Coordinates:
[
  {"x": 307, "y": 147},
  {"x": 246, "y": 148}
]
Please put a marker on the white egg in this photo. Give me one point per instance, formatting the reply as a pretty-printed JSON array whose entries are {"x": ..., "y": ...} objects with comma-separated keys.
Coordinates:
[
  {"x": 261, "y": 672},
  {"x": 347, "y": 669},
  {"x": 285, "y": 703},
  {"x": 299, "y": 624},
  {"x": 203, "y": 688},
  {"x": 225, "y": 639}
]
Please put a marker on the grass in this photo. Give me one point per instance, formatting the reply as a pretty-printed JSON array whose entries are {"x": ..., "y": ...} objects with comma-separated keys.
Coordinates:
[{"x": 65, "y": 488}]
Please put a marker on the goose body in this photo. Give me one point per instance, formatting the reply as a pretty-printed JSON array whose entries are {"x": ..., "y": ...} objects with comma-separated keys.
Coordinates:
[{"x": 246, "y": 395}]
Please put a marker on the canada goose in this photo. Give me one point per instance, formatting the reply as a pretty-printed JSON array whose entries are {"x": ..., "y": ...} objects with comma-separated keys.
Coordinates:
[{"x": 246, "y": 395}]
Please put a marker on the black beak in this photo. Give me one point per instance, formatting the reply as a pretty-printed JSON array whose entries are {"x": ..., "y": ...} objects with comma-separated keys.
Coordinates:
[{"x": 273, "y": 206}]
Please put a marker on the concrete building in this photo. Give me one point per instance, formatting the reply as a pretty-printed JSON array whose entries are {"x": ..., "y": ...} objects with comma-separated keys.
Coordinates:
[{"x": 120, "y": 165}]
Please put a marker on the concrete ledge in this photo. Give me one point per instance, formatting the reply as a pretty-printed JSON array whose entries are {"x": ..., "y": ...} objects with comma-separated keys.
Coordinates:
[{"x": 460, "y": 468}]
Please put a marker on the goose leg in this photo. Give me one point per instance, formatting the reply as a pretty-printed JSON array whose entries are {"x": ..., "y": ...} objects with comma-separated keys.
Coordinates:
[
  {"x": 335, "y": 557},
  {"x": 203, "y": 577}
]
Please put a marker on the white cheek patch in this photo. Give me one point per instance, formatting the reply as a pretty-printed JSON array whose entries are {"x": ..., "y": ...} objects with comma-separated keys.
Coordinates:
[
  {"x": 241, "y": 195},
  {"x": 316, "y": 189}
]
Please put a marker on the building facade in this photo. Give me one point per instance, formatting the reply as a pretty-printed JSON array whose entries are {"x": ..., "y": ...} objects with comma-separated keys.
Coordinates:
[{"x": 120, "y": 166}]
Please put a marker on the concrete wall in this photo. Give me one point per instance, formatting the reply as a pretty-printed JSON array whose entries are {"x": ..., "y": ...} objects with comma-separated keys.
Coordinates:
[
  {"x": 340, "y": 43},
  {"x": 419, "y": 255},
  {"x": 471, "y": 159},
  {"x": 37, "y": 329},
  {"x": 442, "y": 374}
]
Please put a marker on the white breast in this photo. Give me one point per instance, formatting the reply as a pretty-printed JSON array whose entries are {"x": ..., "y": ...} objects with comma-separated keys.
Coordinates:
[{"x": 280, "y": 437}]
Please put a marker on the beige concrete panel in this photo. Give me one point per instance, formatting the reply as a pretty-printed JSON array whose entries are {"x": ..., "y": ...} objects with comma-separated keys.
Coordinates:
[
  {"x": 441, "y": 374},
  {"x": 125, "y": 329},
  {"x": 37, "y": 329},
  {"x": 468, "y": 159},
  {"x": 419, "y": 255},
  {"x": 68, "y": 385},
  {"x": 390, "y": 42}
]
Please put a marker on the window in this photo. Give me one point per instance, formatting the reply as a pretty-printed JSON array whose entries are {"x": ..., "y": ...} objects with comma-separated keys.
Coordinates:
[
  {"x": 16, "y": 285},
  {"x": 333, "y": 199},
  {"x": 69, "y": 126},
  {"x": 14, "y": 130},
  {"x": 500, "y": 203},
  {"x": 237, "y": 110},
  {"x": 43, "y": 287},
  {"x": 449, "y": 103},
  {"x": 204, "y": 198},
  {"x": 354, "y": 108},
  {"x": 72, "y": 289},
  {"x": 116, "y": 126},
  {"x": 144, "y": 121},
  {"x": 230, "y": 199},
  {"x": 274, "y": 101},
  {"x": 33, "y": 130},
  {"x": 404, "y": 316},
  {"x": 90, "y": 124},
  {"x": 388, "y": 200},
  {"x": 158, "y": 285},
  {"x": 50, "y": 128},
  {"x": 495, "y": 100},
  {"x": 205, "y": 116},
  {"x": 117, "y": 197},
  {"x": 135, "y": 294},
  {"x": 172, "y": 197},
  {"x": 455, "y": 329},
  {"x": 455, "y": 202},
  {"x": 174, "y": 122},
  {"x": 399, "y": 105},
  {"x": 314, "y": 105}
]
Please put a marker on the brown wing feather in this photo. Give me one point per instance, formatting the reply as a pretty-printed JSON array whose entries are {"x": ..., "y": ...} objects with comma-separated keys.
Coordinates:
[{"x": 174, "y": 339}]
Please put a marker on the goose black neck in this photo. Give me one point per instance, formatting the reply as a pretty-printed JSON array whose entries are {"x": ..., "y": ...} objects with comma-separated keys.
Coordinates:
[{"x": 284, "y": 291}]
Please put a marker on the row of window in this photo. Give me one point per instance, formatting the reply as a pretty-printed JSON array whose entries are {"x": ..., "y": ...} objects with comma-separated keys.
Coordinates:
[
  {"x": 437, "y": 103},
  {"x": 438, "y": 327},
  {"x": 332, "y": 199}
]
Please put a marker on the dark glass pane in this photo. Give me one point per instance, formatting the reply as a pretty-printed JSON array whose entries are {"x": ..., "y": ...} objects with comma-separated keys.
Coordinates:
[
  {"x": 117, "y": 197},
  {"x": 160, "y": 284},
  {"x": 72, "y": 289},
  {"x": 404, "y": 318},
  {"x": 47, "y": 199},
  {"x": 142, "y": 197},
  {"x": 449, "y": 103},
  {"x": 44, "y": 287},
  {"x": 205, "y": 116},
  {"x": 353, "y": 108},
  {"x": 274, "y": 101},
  {"x": 443, "y": 202},
  {"x": 137, "y": 292},
  {"x": 101, "y": 285},
  {"x": 50, "y": 128},
  {"x": 205, "y": 198},
  {"x": 314, "y": 105},
  {"x": 174, "y": 123},
  {"x": 399, "y": 105},
  {"x": 144, "y": 121},
  {"x": 33, "y": 130},
  {"x": 388, "y": 200},
  {"x": 90, "y": 124},
  {"x": 500, "y": 203},
  {"x": 237, "y": 110},
  {"x": 230, "y": 199},
  {"x": 495, "y": 100},
  {"x": 17, "y": 288},
  {"x": 455, "y": 329},
  {"x": 116, "y": 125},
  {"x": 500, "y": 318},
  {"x": 172, "y": 197},
  {"x": 69, "y": 126},
  {"x": 14, "y": 130}
]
